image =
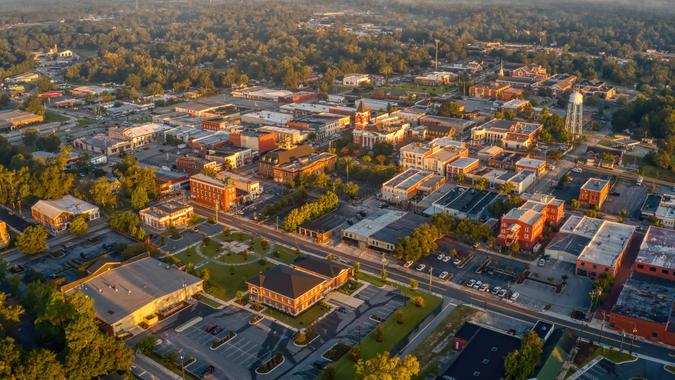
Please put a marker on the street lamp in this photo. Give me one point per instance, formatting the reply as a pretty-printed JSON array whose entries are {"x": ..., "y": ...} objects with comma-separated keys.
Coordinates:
[
  {"x": 182, "y": 367},
  {"x": 635, "y": 330}
]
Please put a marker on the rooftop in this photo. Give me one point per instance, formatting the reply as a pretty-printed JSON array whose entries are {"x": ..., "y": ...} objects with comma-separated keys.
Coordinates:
[
  {"x": 67, "y": 204},
  {"x": 530, "y": 162},
  {"x": 524, "y": 215},
  {"x": 646, "y": 298},
  {"x": 210, "y": 180},
  {"x": 463, "y": 162},
  {"x": 483, "y": 358},
  {"x": 400, "y": 228},
  {"x": 658, "y": 248},
  {"x": 121, "y": 291},
  {"x": 608, "y": 243},
  {"x": 286, "y": 281},
  {"x": 595, "y": 184},
  {"x": 165, "y": 209},
  {"x": 408, "y": 179},
  {"x": 369, "y": 226},
  {"x": 323, "y": 267}
]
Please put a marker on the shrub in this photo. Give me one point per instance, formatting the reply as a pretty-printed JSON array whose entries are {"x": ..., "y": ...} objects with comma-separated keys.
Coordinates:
[
  {"x": 379, "y": 333},
  {"x": 355, "y": 354},
  {"x": 418, "y": 301},
  {"x": 400, "y": 317}
]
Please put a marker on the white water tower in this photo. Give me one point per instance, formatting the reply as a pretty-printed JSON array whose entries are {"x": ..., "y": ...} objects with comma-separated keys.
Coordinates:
[{"x": 574, "y": 118}]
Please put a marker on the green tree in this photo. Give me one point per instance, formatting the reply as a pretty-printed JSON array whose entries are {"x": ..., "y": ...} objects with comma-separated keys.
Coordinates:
[
  {"x": 9, "y": 314},
  {"x": 481, "y": 184},
  {"x": 102, "y": 193},
  {"x": 30, "y": 137},
  {"x": 521, "y": 363},
  {"x": 506, "y": 188},
  {"x": 450, "y": 109},
  {"x": 382, "y": 366},
  {"x": 350, "y": 189},
  {"x": 79, "y": 226},
  {"x": 574, "y": 203},
  {"x": 413, "y": 284},
  {"x": 33, "y": 105},
  {"x": 139, "y": 198},
  {"x": 41, "y": 364},
  {"x": 147, "y": 344},
  {"x": 33, "y": 240},
  {"x": 127, "y": 222}
]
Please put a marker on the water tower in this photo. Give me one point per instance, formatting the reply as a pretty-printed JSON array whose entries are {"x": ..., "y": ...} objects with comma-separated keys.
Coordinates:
[{"x": 574, "y": 118}]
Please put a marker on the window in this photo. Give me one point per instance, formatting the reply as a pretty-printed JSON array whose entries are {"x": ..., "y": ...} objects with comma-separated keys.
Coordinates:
[
  {"x": 664, "y": 271},
  {"x": 652, "y": 269},
  {"x": 655, "y": 334},
  {"x": 641, "y": 266}
]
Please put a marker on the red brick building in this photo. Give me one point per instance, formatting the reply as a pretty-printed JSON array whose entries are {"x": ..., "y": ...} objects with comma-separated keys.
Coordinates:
[
  {"x": 208, "y": 191},
  {"x": 656, "y": 257},
  {"x": 194, "y": 165},
  {"x": 594, "y": 192},
  {"x": 523, "y": 226},
  {"x": 495, "y": 91}
]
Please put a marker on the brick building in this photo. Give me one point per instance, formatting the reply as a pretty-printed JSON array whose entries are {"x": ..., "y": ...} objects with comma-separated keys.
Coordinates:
[
  {"x": 258, "y": 141},
  {"x": 167, "y": 214},
  {"x": 593, "y": 192},
  {"x": 309, "y": 165},
  {"x": 657, "y": 254},
  {"x": 194, "y": 165},
  {"x": 210, "y": 192}
]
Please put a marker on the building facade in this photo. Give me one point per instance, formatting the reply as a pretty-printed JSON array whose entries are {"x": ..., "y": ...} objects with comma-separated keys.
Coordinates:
[
  {"x": 167, "y": 214},
  {"x": 212, "y": 193},
  {"x": 594, "y": 192},
  {"x": 57, "y": 214}
]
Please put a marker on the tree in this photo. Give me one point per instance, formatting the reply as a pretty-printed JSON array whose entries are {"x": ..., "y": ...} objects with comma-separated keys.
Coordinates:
[
  {"x": 355, "y": 269},
  {"x": 79, "y": 226},
  {"x": 9, "y": 314},
  {"x": 506, "y": 188},
  {"x": 413, "y": 284},
  {"x": 350, "y": 189},
  {"x": 205, "y": 275},
  {"x": 33, "y": 105},
  {"x": 33, "y": 240},
  {"x": 418, "y": 301},
  {"x": 30, "y": 137},
  {"x": 515, "y": 247},
  {"x": 382, "y": 366},
  {"x": 147, "y": 344},
  {"x": 400, "y": 317},
  {"x": 127, "y": 222},
  {"x": 574, "y": 203},
  {"x": 450, "y": 109},
  {"x": 521, "y": 363},
  {"x": 41, "y": 364},
  {"x": 102, "y": 193},
  {"x": 139, "y": 198},
  {"x": 379, "y": 333},
  {"x": 240, "y": 296},
  {"x": 155, "y": 89},
  {"x": 481, "y": 184}
]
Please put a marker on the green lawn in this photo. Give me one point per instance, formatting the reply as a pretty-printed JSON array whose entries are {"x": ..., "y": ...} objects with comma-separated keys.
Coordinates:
[
  {"x": 303, "y": 320},
  {"x": 223, "y": 283},
  {"x": 284, "y": 254},
  {"x": 258, "y": 246},
  {"x": 233, "y": 236},
  {"x": 234, "y": 259},
  {"x": 393, "y": 332},
  {"x": 84, "y": 122},
  {"x": 206, "y": 300},
  {"x": 615, "y": 356},
  {"x": 377, "y": 281},
  {"x": 450, "y": 324},
  {"x": 211, "y": 249},
  {"x": 649, "y": 170},
  {"x": 51, "y": 117}
]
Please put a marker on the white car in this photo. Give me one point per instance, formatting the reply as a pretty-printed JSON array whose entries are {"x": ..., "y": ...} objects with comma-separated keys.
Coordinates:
[
  {"x": 514, "y": 297},
  {"x": 420, "y": 267},
  {"x": 577, "y": 170},
  {"x": 446, "y": 259},
  {"x": 541, "y": 262},
  {"x": 408, "y": 264},
  {"x": 478, "y": 284},
  {"x": 485, "y": 288},
  {"x": 502, "y": 293},
  {"x": 443, "y": 275},
  {"x": 470, "y": 283},
  {"x": 456, "y": 261},
  {"x": 440, "y": 257},
  {"x": 496, "y": 290}
]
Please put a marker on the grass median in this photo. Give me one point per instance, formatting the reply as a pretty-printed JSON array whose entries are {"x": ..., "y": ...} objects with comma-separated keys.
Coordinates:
[{"x": 393, "y": 331}]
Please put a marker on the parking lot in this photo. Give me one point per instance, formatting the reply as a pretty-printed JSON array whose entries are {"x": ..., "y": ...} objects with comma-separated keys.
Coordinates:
[
  {"x": 236, "y": 359},
  {"x": 82, "y": 252},
  {"x": 626, "y": 195},
  {"x": 569, "y": 191}
]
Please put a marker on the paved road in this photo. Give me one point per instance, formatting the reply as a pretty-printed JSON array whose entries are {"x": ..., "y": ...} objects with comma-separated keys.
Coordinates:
[{"x": 464, "y": 295}]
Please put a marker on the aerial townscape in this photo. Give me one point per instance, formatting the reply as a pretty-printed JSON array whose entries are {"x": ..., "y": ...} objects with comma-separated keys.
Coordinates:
[{"x": 337, "y": 190}]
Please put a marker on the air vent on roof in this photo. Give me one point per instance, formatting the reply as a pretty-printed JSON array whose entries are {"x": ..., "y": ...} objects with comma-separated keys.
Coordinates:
[
  {"x": 494, "y": 349},
  {"x": 476, "y": 373},
  {"x": 485, "y": 361}
]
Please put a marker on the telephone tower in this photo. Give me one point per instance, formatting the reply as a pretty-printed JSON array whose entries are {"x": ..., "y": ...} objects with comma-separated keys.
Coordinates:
[{"x": 574, "y": 118}]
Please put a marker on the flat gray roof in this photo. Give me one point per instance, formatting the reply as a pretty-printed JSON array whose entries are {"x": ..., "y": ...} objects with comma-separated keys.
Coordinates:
[
  {"x": 400, "y": 228},
  {"x": 658, "y": 248},
  {"x": 595, "y": 184},
  {"x": 646, "y": 298},
  {"x": 121, "y": 291}
]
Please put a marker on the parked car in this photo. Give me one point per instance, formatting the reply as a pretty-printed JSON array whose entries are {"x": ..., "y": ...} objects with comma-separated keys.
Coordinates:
[
  {"x": 496, "y": 290},
  {"x": 443, "y": 275},
  {"x": 420, "y": 267},
  {"x": 408, "y": 264},
  {"x": 485, "y": 287},
  {"x": 541, "y": 262},
  {"x": 470, "y": 283},
  {"x": 457, "y": 261},
  {"x": 502, "y": 293},
  {"x": 514, "y": 297},
  {"x": 446, "y": 259},
  {"x": 478, "y": 284},
  {"x": 440, "y": 257}
]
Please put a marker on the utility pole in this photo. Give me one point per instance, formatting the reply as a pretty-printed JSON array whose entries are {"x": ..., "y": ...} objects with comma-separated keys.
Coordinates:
[
  {"x": 182, "y": 366},
  {"x": 431, "y": 276},
  {"x": 602, "y": 327},
  {"x": 436, "y": 55},
  {"x": 623, "y": 335}
]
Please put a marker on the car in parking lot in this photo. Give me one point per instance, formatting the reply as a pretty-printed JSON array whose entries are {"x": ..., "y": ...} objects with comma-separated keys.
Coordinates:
[
  {"x": 447, "y": 258},
  {"x": 502, "y": 293},
  {"x": 485, "y": 287},
  {"x": 457, "y": 261},
  {"x": 407, "y": 264},
  {"x": 420, "y": 267},
  {"x": 514, "y": 297},
  {"x": 443, "y": 275},
  {"x": 478, "y": 284},
  {"x": 496, "y": 290},
  {"x": 440, "y": 257},
  {"x": 541, "y": 262},
  {"x": 470, "y": 283}
]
